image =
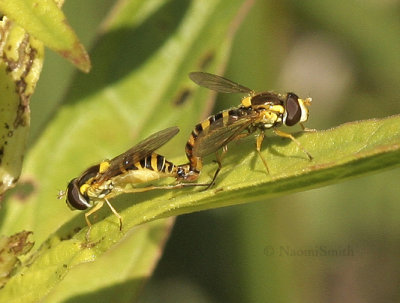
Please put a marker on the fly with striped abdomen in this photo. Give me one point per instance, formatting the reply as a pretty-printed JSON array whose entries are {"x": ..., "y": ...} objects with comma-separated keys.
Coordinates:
[
  {"x": 119, "y": 175},
  {"x": 257, "y": 111}
]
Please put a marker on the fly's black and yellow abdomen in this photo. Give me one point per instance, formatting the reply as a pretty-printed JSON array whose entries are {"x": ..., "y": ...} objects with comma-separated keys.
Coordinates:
[
  {"x": 257, "y": 111},
  {"x": 214, "y": 133},
  {"x": 156, "y": 163}
]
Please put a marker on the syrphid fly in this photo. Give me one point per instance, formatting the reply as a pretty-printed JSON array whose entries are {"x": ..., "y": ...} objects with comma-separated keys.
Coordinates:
[
  {"x": 119, "y": 175},
  {"x": 257, "y": 111}
]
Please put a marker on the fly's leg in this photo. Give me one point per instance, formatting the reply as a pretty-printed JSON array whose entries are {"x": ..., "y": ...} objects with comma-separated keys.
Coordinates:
[
  {"x": 99, "y": 205},
  {"x": 90, "y": 212},
  {"x": 260, "y": 139},
  {"x": 151, "y": 187},
  {"x": 219, "y": 162},
  {"x": 221, "y": 156},
  {"x": 115, "y": 213},
  {"x": 286, "y": 135}
]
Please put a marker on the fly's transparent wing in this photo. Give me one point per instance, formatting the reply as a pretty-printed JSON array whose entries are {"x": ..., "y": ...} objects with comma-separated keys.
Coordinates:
[
  {"x": 138, "y": 152},
  {"x": 218, "y": 83},
  {"x": 219, "y": 134}
]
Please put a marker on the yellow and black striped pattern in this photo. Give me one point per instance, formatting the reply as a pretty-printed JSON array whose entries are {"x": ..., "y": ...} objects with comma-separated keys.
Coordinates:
[
  {"x": 203, "y": 128},
  {"x": 154, "y": 162}
]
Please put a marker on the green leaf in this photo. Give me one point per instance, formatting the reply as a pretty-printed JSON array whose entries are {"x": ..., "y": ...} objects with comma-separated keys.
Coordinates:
[
  {"x": 45, "y": 21},
  {"x": 138, "y": 86},
  {"x": 340, "y": 153},
  {"x": 21, "y": 60}
]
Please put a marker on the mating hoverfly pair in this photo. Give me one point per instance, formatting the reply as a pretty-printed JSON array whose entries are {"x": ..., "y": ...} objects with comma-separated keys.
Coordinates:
[{"x": 139, "y": 164}]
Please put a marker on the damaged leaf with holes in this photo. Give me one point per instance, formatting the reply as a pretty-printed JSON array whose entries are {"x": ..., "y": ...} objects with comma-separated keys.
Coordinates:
[
  {"x": 45, "y": 20},
  {"x": 10, "y": 249},
  {"x": 21, "y": 60}
]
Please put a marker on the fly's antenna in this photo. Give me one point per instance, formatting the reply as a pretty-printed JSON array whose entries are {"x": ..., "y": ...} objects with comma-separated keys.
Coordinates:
[{"x": 61, "y": 194}]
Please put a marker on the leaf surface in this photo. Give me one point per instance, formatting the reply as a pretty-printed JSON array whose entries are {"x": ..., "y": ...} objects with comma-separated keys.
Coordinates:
[{"x": 138, "y": 86}]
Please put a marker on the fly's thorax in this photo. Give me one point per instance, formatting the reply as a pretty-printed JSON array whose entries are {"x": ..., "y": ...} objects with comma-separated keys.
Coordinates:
[
  {"x": 98, "y": 191},
  {"x": 269, "y": 115},
  {"x": 246, "y": 101},
  {"x": 267, "y": 107},
  {"x": 263, "y": 99},
  {"x": 268, "y": 119},
  {"x": 296, "y": 109},
  {"x": 103, "y": 166}
]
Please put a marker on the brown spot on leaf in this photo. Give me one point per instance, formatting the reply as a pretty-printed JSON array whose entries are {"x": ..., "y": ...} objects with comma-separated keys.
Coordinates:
[
  {"x": 182, "y": 97},
  {"x": 206, "y": 60},
  {"x": 24, "y": 190}
]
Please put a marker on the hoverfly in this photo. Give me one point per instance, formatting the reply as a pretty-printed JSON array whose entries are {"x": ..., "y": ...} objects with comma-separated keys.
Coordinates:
[
  {"x": 257, "y": 111},
  {"x": 96, "y": 185}
]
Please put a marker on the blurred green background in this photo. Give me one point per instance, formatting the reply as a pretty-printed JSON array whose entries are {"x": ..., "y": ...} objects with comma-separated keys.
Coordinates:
[{"x": 346, "y": 56}]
